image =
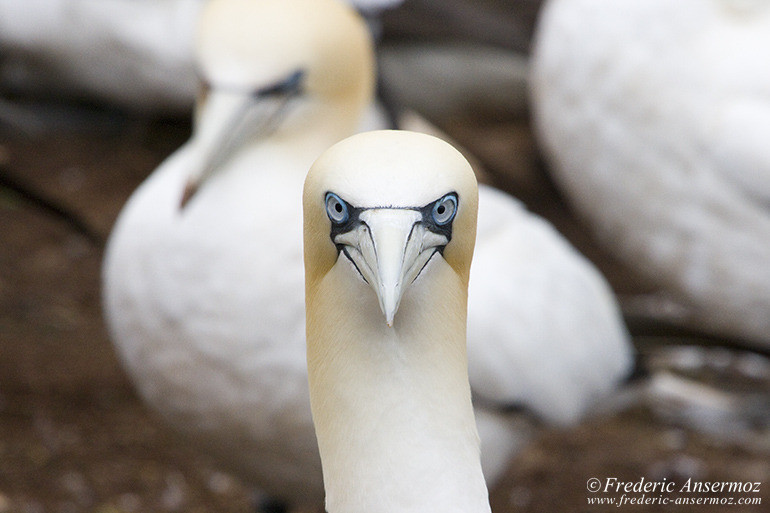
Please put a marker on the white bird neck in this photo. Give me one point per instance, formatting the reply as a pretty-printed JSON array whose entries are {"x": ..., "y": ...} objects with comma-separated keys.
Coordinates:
[{"x": 392, "y": 406}]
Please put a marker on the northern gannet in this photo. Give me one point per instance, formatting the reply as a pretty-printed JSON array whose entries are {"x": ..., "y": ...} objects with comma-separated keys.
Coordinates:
[
  {"x": 203, "y": 275},
  {"x": 655, "y": 117},
  {"x": 389, "y": 231},
  {"x": 205, "y": 302}
]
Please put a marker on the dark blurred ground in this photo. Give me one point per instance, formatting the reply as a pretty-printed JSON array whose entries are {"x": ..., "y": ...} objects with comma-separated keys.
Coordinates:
[{"x": 73, "y": 435}]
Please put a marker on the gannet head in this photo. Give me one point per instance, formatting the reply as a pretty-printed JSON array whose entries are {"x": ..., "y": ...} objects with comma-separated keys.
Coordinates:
[
  {"x": 385, "y": 204},
  {"x": 267, "y": 66}
]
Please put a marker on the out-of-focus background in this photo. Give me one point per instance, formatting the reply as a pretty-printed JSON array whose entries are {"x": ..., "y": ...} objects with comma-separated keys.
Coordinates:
[{"x": 74, "y": 436}]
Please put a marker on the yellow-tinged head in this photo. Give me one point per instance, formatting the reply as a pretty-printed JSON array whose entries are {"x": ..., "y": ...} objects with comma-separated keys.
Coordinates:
[
  {"x": 300, "y": 71},
  {"x": 384, "y": 205},
  {"x": 390, "y": 226},
  {"x": 253, "y": 44}
]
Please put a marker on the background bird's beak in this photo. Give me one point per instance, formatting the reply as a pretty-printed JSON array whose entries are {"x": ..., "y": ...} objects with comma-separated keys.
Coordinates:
[
  {"x": 230, "y": 118},
  {"x": 214, "y": 140}
]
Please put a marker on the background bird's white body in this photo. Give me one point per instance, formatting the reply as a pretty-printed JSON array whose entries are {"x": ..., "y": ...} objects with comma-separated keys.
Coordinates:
[
  {"x": 137, "y": 54},
  {"x": 206, "y": 308},
  {"x": 544, "y": 331},
  {"x": 655, "y": 117}
]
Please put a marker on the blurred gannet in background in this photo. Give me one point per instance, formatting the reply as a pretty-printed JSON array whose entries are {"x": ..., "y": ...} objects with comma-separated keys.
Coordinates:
[
  {"x": 655, "y": 117},
  {"x": 203, "y": 274},
  {"x": 390, "y": 224},
  {"x": 138, "y": 55},
  {"x": 205, "y": 301},
  {"x": 135, "y": 54}
]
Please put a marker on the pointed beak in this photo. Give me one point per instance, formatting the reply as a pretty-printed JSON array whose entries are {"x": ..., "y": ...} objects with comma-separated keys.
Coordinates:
[
  {"x": 221, "y": 130},
  {"x": 390, "y": 248},
  {"x": 231, "y": 118},
  {"x": 394, "y": 252}
]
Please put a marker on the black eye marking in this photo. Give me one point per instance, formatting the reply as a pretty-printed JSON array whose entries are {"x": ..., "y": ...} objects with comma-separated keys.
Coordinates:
[
  {"x": 290, "y": 86},
  {"x": 437, "y": 216},
  {"x": 344, "y": 217},
  {"x": 344, "y": 251}
]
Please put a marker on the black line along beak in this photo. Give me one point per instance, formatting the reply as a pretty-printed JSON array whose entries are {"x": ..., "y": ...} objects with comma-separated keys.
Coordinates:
[{"x": 252, "y": 115}]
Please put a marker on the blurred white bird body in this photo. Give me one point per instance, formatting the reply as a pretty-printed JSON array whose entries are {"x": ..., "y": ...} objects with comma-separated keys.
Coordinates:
[
  {"x": 655, "y": 117},
  {"x": 222, "y": 363},
  {"x": 533, "y": 297},
  {"x": 205, "y": 302},
  {"x": 136, "y": 54}
]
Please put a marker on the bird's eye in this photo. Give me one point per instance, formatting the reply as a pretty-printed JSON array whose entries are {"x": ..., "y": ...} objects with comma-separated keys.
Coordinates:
[
  {"x": 336, "y": 208},
  {"x": 444, "y": 209}
]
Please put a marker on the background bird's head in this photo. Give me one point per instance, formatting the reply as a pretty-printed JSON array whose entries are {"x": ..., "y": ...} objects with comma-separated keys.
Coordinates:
[
  {"x": 299, "y": 71},
  {"x": 319, "y": 48}
]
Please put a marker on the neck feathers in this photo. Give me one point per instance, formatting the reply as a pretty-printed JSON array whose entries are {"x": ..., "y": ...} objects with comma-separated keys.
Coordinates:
[{"x": 392, "y": 406}]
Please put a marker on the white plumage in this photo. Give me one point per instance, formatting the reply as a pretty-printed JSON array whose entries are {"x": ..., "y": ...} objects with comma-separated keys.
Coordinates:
[
  {"x": 390, "y": 223},
  {"x": 205, "y": 302},
  {"x": 543, "y": 326},
  {"x": 137, "y": 54},
  {"x": 654, "y": 116}
]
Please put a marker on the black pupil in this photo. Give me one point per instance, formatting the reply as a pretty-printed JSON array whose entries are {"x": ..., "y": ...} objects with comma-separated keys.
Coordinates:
[
  {"x": 338, "y": 207},
  {"x": 441, "y": 209}
]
